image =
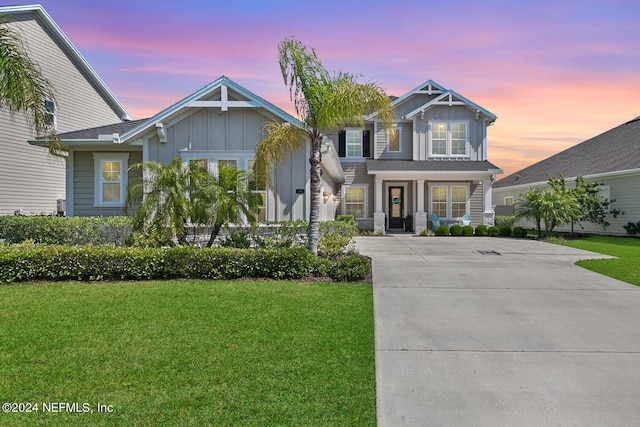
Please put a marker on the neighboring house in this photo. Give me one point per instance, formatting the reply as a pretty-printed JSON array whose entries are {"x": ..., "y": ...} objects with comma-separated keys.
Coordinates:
[
  {"x": 611, "y": 158},
  {"x": 32, "y": 180},
  {"x": 222, "y": 122},
  {"x": 432, "y": 161}
]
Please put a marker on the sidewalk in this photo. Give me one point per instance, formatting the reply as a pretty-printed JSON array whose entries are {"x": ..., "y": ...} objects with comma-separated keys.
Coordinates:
[{"x": 492, "y": 331}]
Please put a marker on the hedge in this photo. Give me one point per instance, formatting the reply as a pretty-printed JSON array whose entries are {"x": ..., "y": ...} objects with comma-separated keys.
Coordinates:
[
  {"x": 53, "y": 230},
  {"x": 19, "y": 263}
]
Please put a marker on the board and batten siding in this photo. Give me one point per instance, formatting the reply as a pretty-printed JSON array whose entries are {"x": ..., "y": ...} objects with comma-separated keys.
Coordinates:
[
  {"x": 32, "y": 180},
  {"x": 83, "y": 183}
]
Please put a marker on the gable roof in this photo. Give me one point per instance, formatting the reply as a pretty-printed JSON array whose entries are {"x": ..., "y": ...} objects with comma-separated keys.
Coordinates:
[
  {"x": 195, "y": 100},
  {"x": 615, "y": 150},
  {"x": 94, "y": 133},
  {"x": 432, "y": 88},
  {"x": 73, "y": 53}
]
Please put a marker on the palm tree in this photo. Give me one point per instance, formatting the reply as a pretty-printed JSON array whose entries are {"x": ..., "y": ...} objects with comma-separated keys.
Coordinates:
[
  {"x": 324, "y": 101},
  {"x": 23, "y": 88},
  {"x": 161, "y": 199},
  {"x": 169, "y": 197}
]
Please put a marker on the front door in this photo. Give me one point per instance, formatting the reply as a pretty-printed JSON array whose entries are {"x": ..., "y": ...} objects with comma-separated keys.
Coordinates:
[{"x": 396, "y": 209}]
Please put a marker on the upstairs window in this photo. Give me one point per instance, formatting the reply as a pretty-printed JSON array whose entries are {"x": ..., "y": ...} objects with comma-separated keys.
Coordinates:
[
  {"x": 49, "y": 109},
  {"x": 354, "y": 143},
  {"x": 394, "y": 139},
  {"x": 449, "y": 139}
]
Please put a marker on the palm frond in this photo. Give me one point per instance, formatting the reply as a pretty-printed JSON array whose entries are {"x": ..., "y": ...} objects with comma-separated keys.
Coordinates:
[{"x": 281, "y": 140}]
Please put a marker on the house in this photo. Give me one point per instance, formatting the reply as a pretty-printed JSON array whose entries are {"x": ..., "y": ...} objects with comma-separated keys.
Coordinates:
[
  {"x": 222, "y": 123},
  {"x": 611, "y": 159},
  {"x": 32, "y": 180},
  {"x": 433, "y": 159}
]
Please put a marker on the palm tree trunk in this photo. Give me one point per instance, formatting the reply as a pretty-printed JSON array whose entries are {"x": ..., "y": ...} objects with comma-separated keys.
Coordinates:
[
  {"x": 314, "y": 197},
  {"x": 214, "y": 233}
]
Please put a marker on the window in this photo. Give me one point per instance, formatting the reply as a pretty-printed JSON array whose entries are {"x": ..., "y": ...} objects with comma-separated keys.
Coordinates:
[
  {"x": 110, "y": 179},
  {"x": 49, "y": 108},
  {"x": 394, "y": 139},
  {"x": 449, "y": 139},
  {"x": 449, "y": 201},
  {"x": 233, "y": 164},
  {"x": 260, "y": 190},
  {"x": 354, "y": 143},
  {"x": 354, "y": 201},
  {"x": 508, "y": 201},
  {"x": 604, "y": 193}
]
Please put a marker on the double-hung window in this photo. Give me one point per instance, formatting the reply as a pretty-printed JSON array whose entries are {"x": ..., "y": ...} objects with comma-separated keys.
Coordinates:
[
  {"x": 110, "y": 179},
  {"x": 49, "y": 109},
  {"x": 354, "y": 143},
  {"x": 260, "y": 190},
  {"x": 394, "y": 139},
  {"x": 449, "y": 139},
  {"x": 449, "y": 201},
  {"x": 355, "y": 201}
]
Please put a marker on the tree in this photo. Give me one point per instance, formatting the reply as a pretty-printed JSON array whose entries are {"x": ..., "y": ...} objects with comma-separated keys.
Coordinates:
[
  {"x": 23, "y": 87},
  {"x": 170, "y": 197},
  {"x": 324, "y": 101},
  {"x": 552, "y": 207},
  {"x": 593, "y": 208}
]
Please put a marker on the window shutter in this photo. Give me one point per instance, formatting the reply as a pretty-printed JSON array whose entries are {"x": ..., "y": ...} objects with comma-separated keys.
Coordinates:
[
  {"x": 342, "y": 144},
  {"x": 366, "y": 143}
]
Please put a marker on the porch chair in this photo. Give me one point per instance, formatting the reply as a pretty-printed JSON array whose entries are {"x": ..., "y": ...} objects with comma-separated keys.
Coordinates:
[
  {"x": 465, "y": 220},
  {"x": 435, "y": 220}
]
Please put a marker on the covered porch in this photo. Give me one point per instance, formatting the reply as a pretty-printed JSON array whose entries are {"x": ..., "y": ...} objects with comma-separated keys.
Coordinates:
[{"x": 407, "y": 193}]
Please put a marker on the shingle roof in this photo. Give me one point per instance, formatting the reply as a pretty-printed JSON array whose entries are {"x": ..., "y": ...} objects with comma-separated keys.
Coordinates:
[
  {"x": 617, "y": 149},
  {"x": 92, "y": 133},
  {"x": 430, "y": 166}
]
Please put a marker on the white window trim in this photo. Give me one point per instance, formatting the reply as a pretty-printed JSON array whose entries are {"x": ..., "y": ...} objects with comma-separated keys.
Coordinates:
[
  {"x": 397, "y": 128},
  {"x": 343, "y": 200},
  {"x": 98, "y": 158},
  {"x": 54, "y": 115},
  {"x": 346, "y": 143},
  {"x": 505, "y": 200},
  {"x": 264, "y": 192},
  {"x": 448, "y": 185},
  {"x": 467, "y": 147}
]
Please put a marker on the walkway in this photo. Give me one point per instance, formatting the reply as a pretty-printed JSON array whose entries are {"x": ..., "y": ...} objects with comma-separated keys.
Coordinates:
[{"x": 500, "y": 332}]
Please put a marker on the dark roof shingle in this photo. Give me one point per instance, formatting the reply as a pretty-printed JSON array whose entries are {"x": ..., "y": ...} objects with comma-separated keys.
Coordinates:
[
  {"x": 92, "y": 133},
  {"x": 429, "y": 165},
  {"x": 614, "y": 150}
]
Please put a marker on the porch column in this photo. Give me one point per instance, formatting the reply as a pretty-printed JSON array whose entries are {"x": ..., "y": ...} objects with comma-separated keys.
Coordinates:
[
  {"x": 378, "y": 214},
  {"x": 421, "y": 215},
  {"x": 487, "y": 215}
]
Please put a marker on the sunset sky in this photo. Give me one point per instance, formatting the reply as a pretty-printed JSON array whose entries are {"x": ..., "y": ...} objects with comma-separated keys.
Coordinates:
[{"x": 554, "y": 72}]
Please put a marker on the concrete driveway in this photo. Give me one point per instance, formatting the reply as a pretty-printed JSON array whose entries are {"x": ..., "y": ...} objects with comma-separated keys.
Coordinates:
[{"x": 500, "y": 332}]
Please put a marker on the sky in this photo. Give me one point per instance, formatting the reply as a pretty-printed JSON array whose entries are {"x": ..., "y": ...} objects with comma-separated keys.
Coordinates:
[{"x": 554, "y": 72}]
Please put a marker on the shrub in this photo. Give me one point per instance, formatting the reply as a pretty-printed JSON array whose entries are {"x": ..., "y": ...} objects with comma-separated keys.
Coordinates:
[
  {"x": 349, "y": 219},
  {"x": 505, "y": 231},
  {"x": 493, "y": 231},
  {"x": 519, "y": 232},
  {"x": 350, "y": 268},
  {"x": 442, "y": 230},
  {"x": 426, "y": 232},
  {"x": 504, "y": 221},
  {"x": 335, "y": 237},
  {"x": 237, "y": 238},
  {"x": 92, "y": 263},
  {"x": 481, "y": 230},
  {"x": 632, "y": 227},
  {"x": 456, "y": 230},
  {"x": 467, "y": 230},
  {"x": 54, "y": 230}
]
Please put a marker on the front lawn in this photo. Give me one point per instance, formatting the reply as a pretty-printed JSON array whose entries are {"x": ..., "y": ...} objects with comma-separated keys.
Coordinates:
[
  {"x": 626, "y": 267},
  {"x": 188, "y": 353}
]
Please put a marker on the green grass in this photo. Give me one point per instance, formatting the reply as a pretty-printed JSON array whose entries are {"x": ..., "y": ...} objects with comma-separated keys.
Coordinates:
[
  {"x": 190, "y": 353},
  {"x": 626, "y": 267}
]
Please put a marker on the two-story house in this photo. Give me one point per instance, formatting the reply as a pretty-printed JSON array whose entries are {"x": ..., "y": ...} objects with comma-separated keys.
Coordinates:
[
  {"x": 432, "y": 161},
  {"x": 31, "y": 180}
]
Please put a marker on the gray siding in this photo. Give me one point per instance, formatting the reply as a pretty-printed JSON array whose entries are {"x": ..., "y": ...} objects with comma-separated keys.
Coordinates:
[
  {"x": 406, "y": 148},
  {"x": 32, "y": 179},
  {"x": 476, "y": 203},
  {"x": 83, "y": 183},
  {"x": 623, "y": 189}
]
